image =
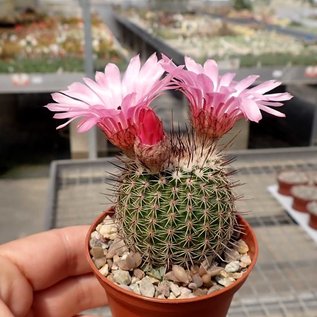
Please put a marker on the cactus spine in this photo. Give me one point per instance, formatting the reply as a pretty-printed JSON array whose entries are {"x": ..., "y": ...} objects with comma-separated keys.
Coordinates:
[{"x": 182, "y": 215}]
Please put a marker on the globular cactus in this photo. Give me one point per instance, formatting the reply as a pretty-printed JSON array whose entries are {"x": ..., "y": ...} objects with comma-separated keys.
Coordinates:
[
  {"x": 175, "y": 203},
  {"x": 181, "y": 215}
]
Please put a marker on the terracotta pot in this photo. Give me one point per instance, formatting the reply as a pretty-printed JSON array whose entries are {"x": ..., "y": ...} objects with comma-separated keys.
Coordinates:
[
  {"x": 312, "y": 209},
  {"x": 284, "y": 188},
  {"x": 300, "y": 204},
  {"x": 124, "y": 303},
  {"x": 285, "y": 184},
  {"x": 302, "y": 196},
  {"x": 313, "y": 221}
]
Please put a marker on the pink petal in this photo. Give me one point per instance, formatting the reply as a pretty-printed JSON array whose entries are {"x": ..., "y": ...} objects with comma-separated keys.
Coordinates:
[
  {"x": 192, "y": 66},
  {"x": 131, "y": 73},
  {"x": 278, "y": 97},
  {"x": 226, "y": 79},
  {"x": 101, "y": 92},
  {"x": 66, "y": 123},
  {"x": 250, "y": 110},
  {"x": 245, "y": 83},
  {"x": 83, "y": 93},
  {"x": 150, "y": 73},
  {"x": 63, "y": 99},
  {"x": 211, "y": 70},
  {"x": 86, "y": 124},
  {"x": 265, "y": 87},
  {"x": 271, "y": 103},
  {"x": 205, "y": 83},
  {"x": 272, "y": 111}
]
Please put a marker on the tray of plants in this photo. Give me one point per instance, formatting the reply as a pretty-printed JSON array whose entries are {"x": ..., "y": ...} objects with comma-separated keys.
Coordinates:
[{"x": 174, "y": 241}]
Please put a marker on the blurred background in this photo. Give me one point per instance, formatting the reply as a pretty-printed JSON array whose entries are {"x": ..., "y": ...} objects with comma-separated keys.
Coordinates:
[{"x": 45, "y": 45}]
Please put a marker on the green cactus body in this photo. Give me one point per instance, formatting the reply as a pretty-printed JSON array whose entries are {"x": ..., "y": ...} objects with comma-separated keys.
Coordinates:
[{"x": 182, "y": 215}]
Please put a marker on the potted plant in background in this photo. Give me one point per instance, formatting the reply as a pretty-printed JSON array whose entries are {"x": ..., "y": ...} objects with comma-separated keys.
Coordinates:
[{"x": 174, "y": 243}]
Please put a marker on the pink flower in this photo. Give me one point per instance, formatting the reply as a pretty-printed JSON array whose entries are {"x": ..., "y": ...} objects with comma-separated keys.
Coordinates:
[
  {"x": 217, "y": 102},
  {"x": 111, "y": 102}
]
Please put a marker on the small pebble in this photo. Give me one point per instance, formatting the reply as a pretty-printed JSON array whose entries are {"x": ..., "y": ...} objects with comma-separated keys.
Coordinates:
[
  {"x": 245, "y": 260},
  {"x": 164, "y": 288},
  {"x": 175, "y": 289},
  {"x": 232, "y": 267},
  {"x": 104, "y": 270},
  {"x": 138, "y": 273},
  {"x": 135, "y": 288},
  {"x": 192, "y": 286},
  {"x": 146, "y": 287},
  {"x": 214, "y": 288},
  {"x": 118, "y": 247},
  {"x": 200, "y": 292},
  {"x": 172, "y": 296},
  {"x": 126, "y": 287},
  {"x": 100, "y": 262},
  {"x": 97, "y": 252},
  {"x": 122, "y": 277},
  {"x": 215, "y": 270},
  {"x": 225, "y": 281},
  {"x": 134, "y": 280},
  {"x": 127, "y": 263},
  {"x": 242, "y": 247},
  {"x": 184, "y": 292},
  {"x": 180, "y": 274},
  {"x": 170, "y": 276}
]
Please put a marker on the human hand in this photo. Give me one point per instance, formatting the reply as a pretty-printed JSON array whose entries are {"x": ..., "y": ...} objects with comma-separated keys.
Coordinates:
[{"x": 47, "y": 275}]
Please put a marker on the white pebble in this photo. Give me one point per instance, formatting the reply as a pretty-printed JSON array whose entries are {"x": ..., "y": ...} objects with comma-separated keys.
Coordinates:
[
  {"x": 185, "y": 292},
  {"x": 122, "y": 277},
  {"x": 104, "y": 270},
  {"x": 225, "y": 281},
  {"x": 135, "y": 288},
  {"x": 232, "y": 267},
  {"x": 245, "y": 260},
  {"x": 175, "y": 289},
  {"x": 180, "y": 274},
  {"x": 192, "y": 286},
  {"x": 146, "y": 287},
  {"x": 242, "y": 247}
]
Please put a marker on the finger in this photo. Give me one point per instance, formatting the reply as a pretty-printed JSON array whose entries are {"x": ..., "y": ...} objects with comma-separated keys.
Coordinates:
[
  {"x": 49, "y": 257},
  {"x": 15, "y": 291},
  {"x": 69, "y": 297},
  {"x": 4, "y": 310}
]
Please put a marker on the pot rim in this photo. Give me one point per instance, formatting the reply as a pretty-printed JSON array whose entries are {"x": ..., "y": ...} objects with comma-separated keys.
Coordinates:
[{"x": 236, "y": 283}]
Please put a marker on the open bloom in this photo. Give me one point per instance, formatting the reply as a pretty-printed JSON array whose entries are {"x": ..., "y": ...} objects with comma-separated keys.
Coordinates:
[
  {"x": 217, "y": 102},
  {"x": 111, "y": 102}
]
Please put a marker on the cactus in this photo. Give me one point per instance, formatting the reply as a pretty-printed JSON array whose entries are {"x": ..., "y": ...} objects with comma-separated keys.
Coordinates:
[
  {"x": 181, "y": 215},
  {"x": 175, "y": 203}
]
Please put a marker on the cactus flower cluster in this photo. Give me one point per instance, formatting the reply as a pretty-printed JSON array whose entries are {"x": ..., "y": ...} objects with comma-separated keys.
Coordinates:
[{"x": 175, "y": 201}]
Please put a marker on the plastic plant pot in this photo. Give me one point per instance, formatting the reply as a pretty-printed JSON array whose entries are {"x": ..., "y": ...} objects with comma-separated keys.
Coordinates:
[
  {"x": 287, "y": 179},
  {"x": 124, "y": 303},
  {"x": 312, "y": 209},
  {"x": 302, "y": 196}
]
